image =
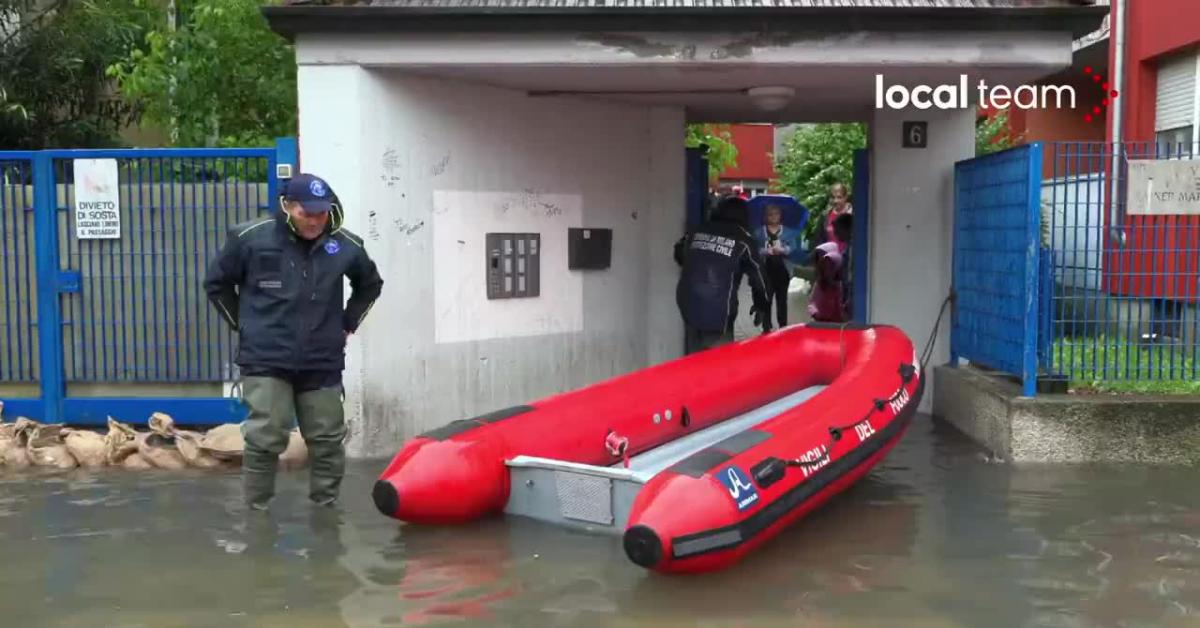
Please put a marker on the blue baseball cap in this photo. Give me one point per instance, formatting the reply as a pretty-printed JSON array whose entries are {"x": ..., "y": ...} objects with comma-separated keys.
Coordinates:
[{"x": 311, "y": 191}]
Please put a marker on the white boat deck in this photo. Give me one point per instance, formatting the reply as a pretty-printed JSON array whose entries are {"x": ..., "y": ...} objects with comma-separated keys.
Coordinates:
[{"x": 599, "y": 498}]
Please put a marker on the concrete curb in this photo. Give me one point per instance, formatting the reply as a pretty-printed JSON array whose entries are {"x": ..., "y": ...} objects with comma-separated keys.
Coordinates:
[{"x": 1142, "y": 429}]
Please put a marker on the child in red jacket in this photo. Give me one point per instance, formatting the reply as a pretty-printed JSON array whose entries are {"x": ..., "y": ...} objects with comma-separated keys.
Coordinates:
[{"x": 827, "y": 301}]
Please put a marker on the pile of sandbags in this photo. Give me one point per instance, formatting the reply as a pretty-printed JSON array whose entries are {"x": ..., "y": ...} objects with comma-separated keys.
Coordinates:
[{"x": 26, "y": 443}]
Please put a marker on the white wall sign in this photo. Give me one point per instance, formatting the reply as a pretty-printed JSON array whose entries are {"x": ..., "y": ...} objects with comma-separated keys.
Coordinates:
[
  {"x": 1163, "y": 187},
  {"x": 97, "y": 199}
]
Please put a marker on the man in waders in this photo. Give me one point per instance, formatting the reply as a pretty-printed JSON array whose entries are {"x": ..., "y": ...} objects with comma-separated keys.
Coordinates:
[{"x": 278, "y": 283}]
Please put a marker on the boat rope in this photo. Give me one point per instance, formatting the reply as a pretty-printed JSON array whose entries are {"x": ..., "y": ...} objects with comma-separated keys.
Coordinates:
[
  {"x": 906, "y": 374},
  {"x": 906, "y": 371},
  {"x": 617, "y": 446},
  {"x": 928, "y": 352}
]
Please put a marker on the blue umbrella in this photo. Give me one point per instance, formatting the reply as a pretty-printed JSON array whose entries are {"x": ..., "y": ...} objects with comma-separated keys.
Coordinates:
[{"x": 795, "y": 216}]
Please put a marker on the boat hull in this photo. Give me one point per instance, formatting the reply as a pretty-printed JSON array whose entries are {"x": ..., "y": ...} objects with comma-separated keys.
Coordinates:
[{"x": 687, "y": 517}]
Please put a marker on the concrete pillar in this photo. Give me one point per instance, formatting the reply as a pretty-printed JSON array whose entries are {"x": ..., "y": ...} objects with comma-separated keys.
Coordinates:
[
  {"x": 666, "y": 221},
  {"x": 331, "y": 98},
  {"x": 912, "y": 222}
]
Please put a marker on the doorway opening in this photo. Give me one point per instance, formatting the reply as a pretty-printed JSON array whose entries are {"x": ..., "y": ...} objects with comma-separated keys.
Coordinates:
[{"x": 789, "y": 167}]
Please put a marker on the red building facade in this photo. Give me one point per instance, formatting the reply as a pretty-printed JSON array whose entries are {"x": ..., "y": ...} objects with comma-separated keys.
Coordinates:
[
  {"x": 1162, "y": 38},
  {"x": 755, "y": 171},
  {"x": 1161, "y": 117},
  {"x": 1159, "y": 94}
]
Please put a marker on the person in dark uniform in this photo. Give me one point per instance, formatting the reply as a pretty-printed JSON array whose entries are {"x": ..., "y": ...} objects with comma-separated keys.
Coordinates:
[
  {"x": 714, "y": 257},
  {"x": 278, "y": 283}
]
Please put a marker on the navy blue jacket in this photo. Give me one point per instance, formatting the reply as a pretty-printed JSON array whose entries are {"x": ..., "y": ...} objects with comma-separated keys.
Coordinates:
[
  {"x": 714, "y": 257},
  {"x": 285, "y": 295}
]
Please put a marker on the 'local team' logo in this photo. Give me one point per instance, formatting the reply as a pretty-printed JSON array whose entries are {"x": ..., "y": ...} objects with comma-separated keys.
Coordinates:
[
  {"x": 332, "y": 247},
  {"x": 317, "y": 188}
]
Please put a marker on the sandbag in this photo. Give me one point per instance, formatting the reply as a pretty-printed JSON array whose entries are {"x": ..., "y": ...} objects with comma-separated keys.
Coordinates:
[
  {"x": 47, "y": 449},
  {"x": 8, "y": 437},
  {"x": 296, "y": 454},
  {"x": 189, "y": 447},
  {"x": 135, "y": 461},
  {"x": 7, "y": 441},
  {"x": 121, "y": 442},
  {"x": 187, "y": 442},
  {"x": 158, "y": 447},
  {"x": 224, "y": 442},
  {"x": 17, "y": 457},
  {"x": 161, "y": 452},
  {"x": 87, "y": 447}
]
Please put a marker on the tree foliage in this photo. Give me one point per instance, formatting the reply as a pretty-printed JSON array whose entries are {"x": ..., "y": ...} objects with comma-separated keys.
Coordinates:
[
  {"x": 53, "y": 56},
  {"x": 992, "y": 134},
  {"x": 722, "y": 153},
  {"x": 222, "y": 78},
  {"x": 815, "y": 157}
]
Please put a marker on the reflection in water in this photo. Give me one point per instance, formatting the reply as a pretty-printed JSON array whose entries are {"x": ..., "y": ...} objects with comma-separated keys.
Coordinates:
[
  {"x": 936, "y": 536},
  {"x": 462, "y": 584}
]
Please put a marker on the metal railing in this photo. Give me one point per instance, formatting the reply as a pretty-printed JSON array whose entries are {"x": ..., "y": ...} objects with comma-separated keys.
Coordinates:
[
  {"x": 18, "y": 272},
  {"x": 140, "y": 313},
  {"x": 1122, "y": 251}
]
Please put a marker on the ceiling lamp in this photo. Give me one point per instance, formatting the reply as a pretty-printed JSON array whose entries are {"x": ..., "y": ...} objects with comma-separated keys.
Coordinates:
[{"x": 771, "y": 98}]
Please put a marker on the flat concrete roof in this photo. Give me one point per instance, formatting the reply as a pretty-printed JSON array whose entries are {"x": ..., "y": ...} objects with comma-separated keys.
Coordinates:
[{"x": 1080, "y": 17}]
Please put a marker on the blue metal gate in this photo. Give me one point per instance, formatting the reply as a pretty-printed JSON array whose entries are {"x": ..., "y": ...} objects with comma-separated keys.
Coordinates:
[
  {"x": 19, "y": 366},
  {"x": 997, "y": 218},
  {"x": 859, "y": 260},
  {"x": 121, "y": 326}
]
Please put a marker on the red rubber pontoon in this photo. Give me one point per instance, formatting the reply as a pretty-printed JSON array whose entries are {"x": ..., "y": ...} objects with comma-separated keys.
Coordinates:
[{"x": 708, "y": 510}]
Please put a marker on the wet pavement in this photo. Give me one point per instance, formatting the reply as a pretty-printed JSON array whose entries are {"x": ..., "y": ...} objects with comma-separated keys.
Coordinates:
[{"x": 935, "y": 536}]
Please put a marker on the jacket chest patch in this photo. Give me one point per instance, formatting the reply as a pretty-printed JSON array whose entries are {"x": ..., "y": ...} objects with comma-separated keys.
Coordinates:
[
  {"x": 270, "y": 284},
  {"x": 332, "y": 247}
]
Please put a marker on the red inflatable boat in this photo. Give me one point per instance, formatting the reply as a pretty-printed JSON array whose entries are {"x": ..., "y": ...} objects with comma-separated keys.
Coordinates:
[{"x": 712, "y": 507}]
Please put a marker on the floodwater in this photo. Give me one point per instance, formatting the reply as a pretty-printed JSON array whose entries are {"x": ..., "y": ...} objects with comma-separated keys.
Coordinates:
[{"x": 936, "y": 536}]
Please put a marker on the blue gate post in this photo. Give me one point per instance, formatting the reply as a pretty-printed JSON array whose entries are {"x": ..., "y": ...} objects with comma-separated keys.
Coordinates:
[
  {"x": 859, "y": 250},
  {"x": 954, "y": 269},
  {"x": 1033, "y": 243},
  {"x": 697, "y": 186},
  {"x": 287, "y": 151},
  {"x": 49, "y": 323}
]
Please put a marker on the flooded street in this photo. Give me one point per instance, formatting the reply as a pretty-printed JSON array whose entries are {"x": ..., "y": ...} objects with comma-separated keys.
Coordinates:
[{"x": 936, "y": 536}]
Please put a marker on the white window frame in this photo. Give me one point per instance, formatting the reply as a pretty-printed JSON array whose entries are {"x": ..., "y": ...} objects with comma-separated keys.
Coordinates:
[{"x": 1160, "y": 130}]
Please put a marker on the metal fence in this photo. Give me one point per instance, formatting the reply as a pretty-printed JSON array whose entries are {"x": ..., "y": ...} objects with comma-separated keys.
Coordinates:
[
  {"x": 128, "y": 310},
  {"x": 18, "y": 296},
  {"x": 1079, "y": 261},
  {"x": 1123, "y": 244},
  {"x": 996, "y": 272},
  {"x": 140, "y": 313}
]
